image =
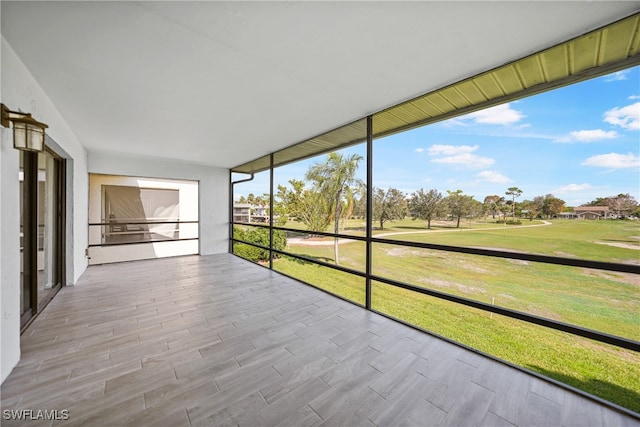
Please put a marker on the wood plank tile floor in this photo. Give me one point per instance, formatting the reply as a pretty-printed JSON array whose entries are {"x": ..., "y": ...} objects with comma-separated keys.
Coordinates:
[{"x": 218, "y": 341}]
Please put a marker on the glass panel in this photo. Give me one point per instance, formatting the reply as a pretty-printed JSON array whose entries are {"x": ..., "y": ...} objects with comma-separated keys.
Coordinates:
[
  {"x": 603, "y": 370},
  {"x": 346, "y": 285},
  {"x": 47, "y": 224},
  {"x": 595, "y": 299}
]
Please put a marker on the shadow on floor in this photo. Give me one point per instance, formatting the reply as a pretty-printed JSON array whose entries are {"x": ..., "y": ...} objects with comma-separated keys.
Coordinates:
[{"x": 614, "y": 393}]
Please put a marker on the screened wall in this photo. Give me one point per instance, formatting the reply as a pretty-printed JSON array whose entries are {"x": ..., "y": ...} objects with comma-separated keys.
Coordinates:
[{"x": 456, "y": 214}]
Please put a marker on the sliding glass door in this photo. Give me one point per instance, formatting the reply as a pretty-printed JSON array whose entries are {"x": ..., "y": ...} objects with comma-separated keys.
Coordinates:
[{"x": 41, "y": 230}]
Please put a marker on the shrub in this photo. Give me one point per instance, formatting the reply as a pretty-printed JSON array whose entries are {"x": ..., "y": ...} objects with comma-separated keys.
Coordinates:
[
  {"x": 510, "y": 222},
  {"x": 259, "y": 236}
]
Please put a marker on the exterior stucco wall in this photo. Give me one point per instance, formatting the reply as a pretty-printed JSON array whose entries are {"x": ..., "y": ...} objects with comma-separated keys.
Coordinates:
[{"x": 20, "y": 91}]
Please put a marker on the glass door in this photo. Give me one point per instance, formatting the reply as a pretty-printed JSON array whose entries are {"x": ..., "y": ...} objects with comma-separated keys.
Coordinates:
[{"x": 42, "y": 230}]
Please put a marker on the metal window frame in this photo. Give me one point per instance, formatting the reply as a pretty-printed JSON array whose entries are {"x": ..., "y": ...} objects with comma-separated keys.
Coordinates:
[{"x": 343, "y": 137}]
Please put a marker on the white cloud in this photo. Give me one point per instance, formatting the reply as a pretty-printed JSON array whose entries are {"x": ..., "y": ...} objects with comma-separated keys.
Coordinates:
[
  {"x": 450, "y": 150},
  {"x": 617, "y": 76},
  {"x": 571, "y": 188},
  {"x": 493, "y": 176},
  {"x": 613, "y": 161},
  {"x": 498, "y": 115},
  {"x": 467, "y": 160},
  {"x": 588, "y": 135},
  {"x": 419, "y": 150},
  {"x": 634, "y": 97},
  {"x": 626, "y": 117},
  {"x": 460, "y": 155}
]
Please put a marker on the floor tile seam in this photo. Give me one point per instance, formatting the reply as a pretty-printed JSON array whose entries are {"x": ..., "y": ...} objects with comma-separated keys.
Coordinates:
[
  {"x": 561, "y": 405},
  {"x": 79, "y": 379},
  {"x": 467, "y": 363},
  {"x": 513, "y": 423},
  {"x": 483, "y": 386}
]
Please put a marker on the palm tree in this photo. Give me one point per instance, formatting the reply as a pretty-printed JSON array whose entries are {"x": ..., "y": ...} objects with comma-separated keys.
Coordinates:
[
  {"x": 332, "y": 178},
  {"x": 513, "y": 192}
]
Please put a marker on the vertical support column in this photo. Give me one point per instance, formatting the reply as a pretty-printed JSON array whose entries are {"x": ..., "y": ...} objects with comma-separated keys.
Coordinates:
[
  {"x": 271, "y": 211},
  {"x": 369, "y": 212}
]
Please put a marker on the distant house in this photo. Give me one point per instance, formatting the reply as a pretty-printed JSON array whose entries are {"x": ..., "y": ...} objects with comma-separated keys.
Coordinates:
[
  {"x": 241, "y": 212},
  {"x": 591, "y": 212},
  {"x": 246, "y": 212},
  {"x": 567, "y": 215}
]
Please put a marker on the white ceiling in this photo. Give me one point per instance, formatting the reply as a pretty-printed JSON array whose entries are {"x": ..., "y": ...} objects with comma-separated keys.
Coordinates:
[{"x": 221, "y": 83}]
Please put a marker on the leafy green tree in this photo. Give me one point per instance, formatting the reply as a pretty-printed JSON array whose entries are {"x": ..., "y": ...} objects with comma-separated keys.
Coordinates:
[
  {"x": 492, "y": 204},
  {"x": 360, "y": 200},
  {"x": 388, "y": 205},
  {"x": 514, "y": 192},
  {"x": 331, "y": 179},
  {"x": 551, "y": 205},
  {"x": 425, "y": 205},
  {"x": 306, "y": 206},
  {"x": 459, "y": 205},
  {"x": 532, "y": 208},
  {"x": 476, "y": 208},
  {"x": 537, "y": 205},
  {"x": 600, "y": 201},
  {"x": 360, "y": 207},
  {"x": 348, "y": 205}
]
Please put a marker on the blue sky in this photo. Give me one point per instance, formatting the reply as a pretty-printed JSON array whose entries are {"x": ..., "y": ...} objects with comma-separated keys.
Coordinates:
[{"x": 577, "y": 143}]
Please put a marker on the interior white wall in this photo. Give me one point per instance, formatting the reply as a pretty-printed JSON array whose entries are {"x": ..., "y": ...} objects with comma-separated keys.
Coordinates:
[
  {"x": 20, "y": 91},
  {"x": 9, "y": 256},
  {"x": 213, "y": 186}
]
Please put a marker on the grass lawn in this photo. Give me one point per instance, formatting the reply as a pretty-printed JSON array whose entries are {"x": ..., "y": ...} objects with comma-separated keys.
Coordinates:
[{"x": 600, "y": 300}]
